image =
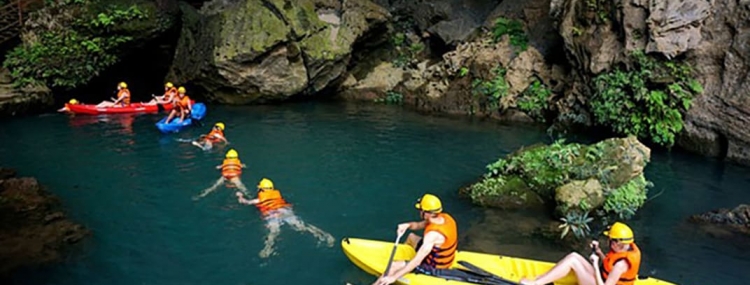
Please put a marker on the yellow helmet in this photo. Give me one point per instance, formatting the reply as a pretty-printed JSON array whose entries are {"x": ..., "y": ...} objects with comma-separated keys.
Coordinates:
[
  {"x": 169, "y": 85},
  {"x": 429, "y": 203},
  {"x": 123, "y": 85},
  {"x": 181, "y": 90},
  {"x": 265, "y": 183},
  {"x": 220, "y": 125},
  {"x": 232, "y": 153},
  {"x": 620, "y": 232},
  {"x": 73, "y": 101}
]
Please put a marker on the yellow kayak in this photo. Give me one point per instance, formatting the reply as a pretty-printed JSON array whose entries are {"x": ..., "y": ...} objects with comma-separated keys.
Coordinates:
[{"x": 372, "y": 257}]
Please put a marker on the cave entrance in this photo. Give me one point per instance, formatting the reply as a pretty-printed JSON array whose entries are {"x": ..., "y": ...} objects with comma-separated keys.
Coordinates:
[{"x": 143, "y": 69}]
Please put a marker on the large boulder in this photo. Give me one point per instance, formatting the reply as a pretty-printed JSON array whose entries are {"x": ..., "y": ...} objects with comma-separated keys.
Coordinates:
[
  {"x": 265, "y": 50},
  {"x": 573, "y": 178}
]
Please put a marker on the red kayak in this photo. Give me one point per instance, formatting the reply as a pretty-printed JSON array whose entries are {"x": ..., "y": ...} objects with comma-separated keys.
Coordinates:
[{"x": 89, "y": 109}]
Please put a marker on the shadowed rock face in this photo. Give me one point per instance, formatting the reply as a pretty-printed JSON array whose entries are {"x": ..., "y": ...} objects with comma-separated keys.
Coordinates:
[
  {"x": 33, "y": 230},
  {"x": 265, "y": 50}
]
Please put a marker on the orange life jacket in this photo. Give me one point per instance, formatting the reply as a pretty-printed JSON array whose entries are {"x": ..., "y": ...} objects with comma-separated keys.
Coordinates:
[
  {"x": 170, "y": 94},
  {"x": 124, "y": 92},
  {"x": 184, "y": 102},
  {"x": 269, "y": 200},
  {"x": 632, "y": 257},
  {"x": 442, "y": 256},
  {"x": 231, "y": 168},
  {"x": 215, "y": 135}
]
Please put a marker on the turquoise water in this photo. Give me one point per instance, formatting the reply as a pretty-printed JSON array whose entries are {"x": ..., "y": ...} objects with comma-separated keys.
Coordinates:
[{"x": 352, "y": 170}]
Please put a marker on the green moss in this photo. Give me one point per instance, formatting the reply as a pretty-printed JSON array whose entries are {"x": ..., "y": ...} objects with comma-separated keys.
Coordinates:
[
  {"x": 320, "y": 47},
  {"x": 300, "y": 15},
  {"x": 249, "y": 35}
]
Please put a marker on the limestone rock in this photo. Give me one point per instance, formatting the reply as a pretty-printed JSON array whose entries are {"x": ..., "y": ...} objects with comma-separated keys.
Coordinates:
[
  {"x": 265, "y": 50},
  {"x": 578, "y": 193},
  {"x": 383, "y": 78},
  {"x": 675, "y": 25},
  {"x": 716, "y": 124}
]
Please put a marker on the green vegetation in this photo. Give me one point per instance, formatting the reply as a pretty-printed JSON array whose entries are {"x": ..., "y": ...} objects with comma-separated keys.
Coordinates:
[
  {"x": 407, "y": 48},
  {"x": 647, "y": 100},
  {"x": 543, "y": 169},
  {"x": 626, "y": 199},
  {"x": 534, "y": 101},
  {"x": 391, "y": 97},
  {"x": 576, "y": 223},
  {"x": 494, "y": 89},
  {"x": 69, "y": 53},
  {"x": 514, "y": 30}
]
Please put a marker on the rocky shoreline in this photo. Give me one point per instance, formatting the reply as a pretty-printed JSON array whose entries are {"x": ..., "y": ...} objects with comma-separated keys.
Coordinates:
[
  {"x": 541, "y": 61},
  {"x": 33, "y": 230}
]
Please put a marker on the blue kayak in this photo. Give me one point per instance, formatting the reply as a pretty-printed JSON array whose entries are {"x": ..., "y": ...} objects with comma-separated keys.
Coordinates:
[{"x": 199, "y": 111}]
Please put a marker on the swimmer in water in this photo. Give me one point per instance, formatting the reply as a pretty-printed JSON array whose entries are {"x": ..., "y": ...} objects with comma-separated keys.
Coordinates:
[
  {"x": 231, "y": 169},
  {"x": 216, "y": 135},
  {"x": 276, "y": 211}
]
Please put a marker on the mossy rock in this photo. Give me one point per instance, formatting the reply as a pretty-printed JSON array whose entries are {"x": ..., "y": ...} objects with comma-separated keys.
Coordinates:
[
  {"x": 579, "y": 195},
  {"x": 506, "y": 193},
  {"x": 572, "y": 176}
]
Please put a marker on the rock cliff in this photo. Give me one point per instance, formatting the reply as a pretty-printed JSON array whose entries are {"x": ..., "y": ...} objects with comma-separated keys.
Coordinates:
[{"x": 264, "y": 50}]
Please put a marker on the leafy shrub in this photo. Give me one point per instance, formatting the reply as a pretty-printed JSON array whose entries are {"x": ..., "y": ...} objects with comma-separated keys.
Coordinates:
[
  {"x": 534, "y": 100},
  {"x": 647, "y": 100},
  {"x": 628, "y": 198},
  {"x": 514, "y": 30},
  {"x": 70, "y": 54}
]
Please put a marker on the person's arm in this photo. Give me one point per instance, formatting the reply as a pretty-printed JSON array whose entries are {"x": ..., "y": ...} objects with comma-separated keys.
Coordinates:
[
  {"x": 597, "y": 249},
  {"x": 414, "y": 226},
  {"x": 430, "y": 239},
  {"x": 614, "y": 276},
  {"x": 242, "y": 200}
]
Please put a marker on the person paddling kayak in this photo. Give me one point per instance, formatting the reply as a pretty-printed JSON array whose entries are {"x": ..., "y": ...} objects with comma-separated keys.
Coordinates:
[
  {"x": 216, "y": 135},
  {"x": 170, "y": 93},
  {"x": 65, "y": 108},
  {"x": 621, "y": 263},
  {"x": 123, "y": 97},
  {"x": 276, "y": 211},
  {"x": 436, "y": 251},
  {"x": 231, "y": 169},
  {"x": 182, "y": 106}
]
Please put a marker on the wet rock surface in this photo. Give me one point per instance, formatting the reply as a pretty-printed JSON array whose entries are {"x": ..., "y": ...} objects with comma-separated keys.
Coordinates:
[
  {"x": 33, "y": 228},
  {"x": 736, "y": 219}
]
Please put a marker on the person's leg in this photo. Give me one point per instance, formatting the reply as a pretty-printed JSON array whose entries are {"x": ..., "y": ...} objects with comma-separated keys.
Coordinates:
[
  {"x": 210, "y": 189},
  {"x": 274, "y": 228},
  {"x": 413, "y": 240},
  {"x": 583, "y": 269},
  {"x": 171, "y": 115},
  {"x": 104, "y": 104},
  {"x": 182, "y": 115},
  {"x": 300, "y": 225},
  {"x": 237, "y": 182}
]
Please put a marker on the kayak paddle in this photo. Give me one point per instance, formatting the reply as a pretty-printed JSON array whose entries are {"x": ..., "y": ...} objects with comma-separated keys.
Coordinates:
[{"x": 393, "y": 253}]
